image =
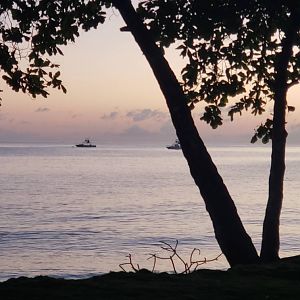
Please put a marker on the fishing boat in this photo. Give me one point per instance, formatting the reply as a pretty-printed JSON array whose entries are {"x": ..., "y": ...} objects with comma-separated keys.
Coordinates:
[
  {"x": 175, "y": 146},
  {"x": 86, "y": 144}
]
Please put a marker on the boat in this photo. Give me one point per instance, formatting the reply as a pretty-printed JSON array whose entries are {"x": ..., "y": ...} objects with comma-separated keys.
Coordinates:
[
  {"x": 86, "y": 144},
  {"x": 175, "y": 146}
]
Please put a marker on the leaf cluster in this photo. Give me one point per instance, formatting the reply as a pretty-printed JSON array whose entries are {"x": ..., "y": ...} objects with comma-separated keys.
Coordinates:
[
  {"x": 231, "y": 49},
  {"x": 31, "y": 31}
]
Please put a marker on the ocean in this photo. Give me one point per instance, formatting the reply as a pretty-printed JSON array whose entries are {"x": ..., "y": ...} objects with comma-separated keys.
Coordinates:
[{"x": 74, "y": 213}]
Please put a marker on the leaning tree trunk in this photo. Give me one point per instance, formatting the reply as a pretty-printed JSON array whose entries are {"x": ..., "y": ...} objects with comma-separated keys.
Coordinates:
[
  {"x": 270, "y": 240},
  {"x": 229, "y": 231}
]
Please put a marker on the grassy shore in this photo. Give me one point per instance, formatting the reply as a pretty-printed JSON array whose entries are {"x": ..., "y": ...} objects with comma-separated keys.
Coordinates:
[{"x": 275, "y": 281}]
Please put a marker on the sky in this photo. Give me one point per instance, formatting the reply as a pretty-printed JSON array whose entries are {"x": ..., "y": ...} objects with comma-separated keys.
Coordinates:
[{"x": 112, "y": 97}]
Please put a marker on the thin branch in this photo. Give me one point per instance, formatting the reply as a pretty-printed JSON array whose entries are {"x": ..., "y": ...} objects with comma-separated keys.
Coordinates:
[{"x": 189, "y": 266}]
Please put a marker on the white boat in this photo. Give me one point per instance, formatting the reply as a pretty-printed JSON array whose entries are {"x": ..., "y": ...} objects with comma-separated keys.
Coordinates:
[
  {"x": 175, "y": 146},
  {"x": 86, "y": 144}
]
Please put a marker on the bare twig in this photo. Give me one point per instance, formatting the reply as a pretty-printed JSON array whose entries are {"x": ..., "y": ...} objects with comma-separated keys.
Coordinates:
[
  {"x": 189, "y": 266},
  {"x": 130, "y": 263}
]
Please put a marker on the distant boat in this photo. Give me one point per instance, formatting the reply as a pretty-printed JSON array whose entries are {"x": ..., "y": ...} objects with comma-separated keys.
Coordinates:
[
  {"x": 175, "y": 146},
  {"x": 86, "y": 144}
]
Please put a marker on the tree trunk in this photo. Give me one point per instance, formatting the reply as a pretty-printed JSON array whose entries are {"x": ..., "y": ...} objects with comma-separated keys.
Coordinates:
[
  {"x": 229, "y": 231},
  {"x": 271, "y": 239}
]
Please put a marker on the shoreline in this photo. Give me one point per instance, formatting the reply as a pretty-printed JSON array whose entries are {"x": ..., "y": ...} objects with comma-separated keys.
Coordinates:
[{"x": 272, "y": 281}]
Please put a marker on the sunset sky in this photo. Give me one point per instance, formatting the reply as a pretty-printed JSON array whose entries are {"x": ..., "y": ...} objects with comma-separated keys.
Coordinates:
[{"x": 112, "y": 97}]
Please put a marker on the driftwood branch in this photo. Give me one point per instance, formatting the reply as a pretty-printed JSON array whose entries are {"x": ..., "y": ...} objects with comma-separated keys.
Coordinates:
[
  {"x": 130, "y": 263},
  {"x": 192, "y": 264}
]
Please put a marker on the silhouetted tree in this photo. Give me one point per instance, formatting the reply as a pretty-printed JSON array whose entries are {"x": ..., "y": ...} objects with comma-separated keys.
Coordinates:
[
  {"x": 247, "y": 51},
  {"x": 229, "y": 45},
  {"x": 230, "y": 233},
  {"x": 32, "y": 31}
]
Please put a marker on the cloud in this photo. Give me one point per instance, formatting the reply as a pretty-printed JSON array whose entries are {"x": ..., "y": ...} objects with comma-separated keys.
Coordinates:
[
  {"x": 133, "y": 134},
  {"x": 6, "y": 117},
  {"x": 167, "y": 129},
  {"x": 145, "y": 114},
  {"x": 113, "y": 115},
  {"x": 293, "y": 133},
  {"x": 25, "y": 122},
  {"x": 75, "y": 116},
  {"x": 293, "y": 126},
  {"x": 42, "y": 109},
  {"x": 135, "y": 131}
]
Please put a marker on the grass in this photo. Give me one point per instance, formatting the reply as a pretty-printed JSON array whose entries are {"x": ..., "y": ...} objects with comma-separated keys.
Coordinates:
[{"x": 274, "y": 281}]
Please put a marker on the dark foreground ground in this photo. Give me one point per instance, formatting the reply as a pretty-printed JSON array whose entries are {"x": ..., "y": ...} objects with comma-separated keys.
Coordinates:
[{"x": 276, "y": 281}]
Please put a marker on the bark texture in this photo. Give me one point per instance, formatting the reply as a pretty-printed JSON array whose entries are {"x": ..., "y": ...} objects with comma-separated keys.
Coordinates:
[{"x": 234, "y": 242}]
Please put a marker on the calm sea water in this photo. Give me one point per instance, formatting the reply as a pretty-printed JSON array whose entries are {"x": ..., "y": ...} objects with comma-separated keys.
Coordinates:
[{"x": 78, "y": 212}]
